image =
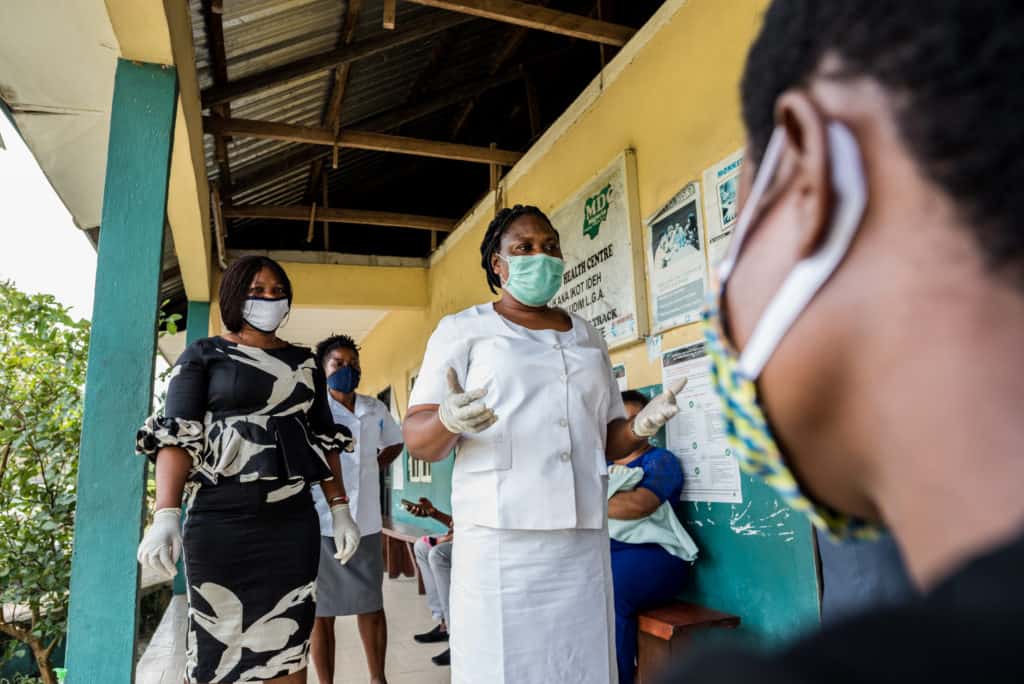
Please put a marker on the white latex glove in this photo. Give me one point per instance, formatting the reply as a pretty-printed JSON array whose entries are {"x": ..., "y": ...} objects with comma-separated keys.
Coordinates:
[
  {"x": 346, "y": 532},
  {"x": 462, "y": 411},
  {"x": 658, "y": 411},
  {"x": 160, "y": 547}
]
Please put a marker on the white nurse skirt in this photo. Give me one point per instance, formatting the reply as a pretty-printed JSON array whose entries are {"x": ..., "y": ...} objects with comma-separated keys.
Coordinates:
[{"x": 532, "y": 606}]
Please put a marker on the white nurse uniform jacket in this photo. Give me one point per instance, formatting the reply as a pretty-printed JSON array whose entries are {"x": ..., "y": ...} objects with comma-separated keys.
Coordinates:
[{"x": 531, "y": 597}]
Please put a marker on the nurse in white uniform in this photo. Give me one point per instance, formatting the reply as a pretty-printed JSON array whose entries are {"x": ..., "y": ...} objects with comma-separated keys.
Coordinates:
[{"x": 531, "y": 596}]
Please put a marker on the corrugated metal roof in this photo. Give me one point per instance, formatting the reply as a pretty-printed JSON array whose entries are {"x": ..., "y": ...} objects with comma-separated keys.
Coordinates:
[{"x": 264, "y": 34}]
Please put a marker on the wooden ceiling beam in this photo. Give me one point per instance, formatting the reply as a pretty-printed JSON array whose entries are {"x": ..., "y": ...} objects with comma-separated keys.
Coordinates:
[
  {"x": 214, "y": 26},
  {"x": 298, "y": 212},
  {"x": 360, "y": 140},
  {"x": 339, "y": 86},
  {"x": 215, "y": 95},
  {"x": 538, "y": 18},
  {"x": 516, "y": 38},
  {"x": 284, "y": 162}
]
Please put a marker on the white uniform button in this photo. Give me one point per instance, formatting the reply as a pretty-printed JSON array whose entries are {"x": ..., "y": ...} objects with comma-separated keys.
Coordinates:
[
  {"x": 563, "y": 422},
  {"x": 563, "y": 377},
  {"x": 558, "y": 346},
  {"x": 565, "y": 456}
]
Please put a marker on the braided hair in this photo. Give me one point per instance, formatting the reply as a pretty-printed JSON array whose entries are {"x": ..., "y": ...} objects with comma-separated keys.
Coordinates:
[{"x": 492, "y": 238}]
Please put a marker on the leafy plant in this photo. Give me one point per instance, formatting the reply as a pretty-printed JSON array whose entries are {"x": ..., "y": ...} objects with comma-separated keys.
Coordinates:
[{"x": 43, "y": 354}]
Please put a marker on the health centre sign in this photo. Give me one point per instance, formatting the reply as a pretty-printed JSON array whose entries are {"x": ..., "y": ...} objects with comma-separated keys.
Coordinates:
[{"x": 599, "y": 227}]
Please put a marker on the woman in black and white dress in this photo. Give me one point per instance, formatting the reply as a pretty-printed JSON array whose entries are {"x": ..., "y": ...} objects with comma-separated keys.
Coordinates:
[{"x": 246, "y": 429}]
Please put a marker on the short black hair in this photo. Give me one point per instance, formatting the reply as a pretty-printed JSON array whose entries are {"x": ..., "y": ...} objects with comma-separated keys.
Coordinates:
[
  {"x": 952, "y": 69},
  {"x": 234, "y": 287},
  {"x": 334, "y": 342},
  {"x": 492, "y": 238},
  {"x": 634, "y": 397}
]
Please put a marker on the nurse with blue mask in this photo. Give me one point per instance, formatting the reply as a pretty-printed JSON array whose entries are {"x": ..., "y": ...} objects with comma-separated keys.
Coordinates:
[{"x": 531, "y": 597}]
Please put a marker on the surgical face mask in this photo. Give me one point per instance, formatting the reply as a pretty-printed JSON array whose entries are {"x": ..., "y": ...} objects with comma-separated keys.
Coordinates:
[
  {"x": 533, "y": 279},
  {"x": 345, "y": 379},
  {"x": 734, "y": 375},
  {"x": 265, "y": 315}
]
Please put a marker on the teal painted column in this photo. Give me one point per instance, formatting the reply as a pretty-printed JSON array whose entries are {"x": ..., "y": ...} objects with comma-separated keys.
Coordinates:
[
  {"x": 119, "y": 381},
  {"x": 198, "y": 327}
]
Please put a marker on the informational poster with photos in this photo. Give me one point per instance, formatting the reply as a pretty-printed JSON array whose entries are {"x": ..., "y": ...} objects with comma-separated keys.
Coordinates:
[
  {"x": 697, "y": 433},
  {"x": 599, "y": 227},
  {"x": 721, "y": 204},
  {"x": 677, "y": 272}
]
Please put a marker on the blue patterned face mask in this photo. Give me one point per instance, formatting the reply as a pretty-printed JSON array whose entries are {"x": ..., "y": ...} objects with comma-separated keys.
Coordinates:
[
  {"x": 734, "y": 375},
  {"x": 345, "y": 379}
]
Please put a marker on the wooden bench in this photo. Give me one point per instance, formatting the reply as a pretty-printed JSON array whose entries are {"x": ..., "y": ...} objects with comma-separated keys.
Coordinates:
[
  {"x": 665, "y": 632},
  {"x": 399, "y": 558}
]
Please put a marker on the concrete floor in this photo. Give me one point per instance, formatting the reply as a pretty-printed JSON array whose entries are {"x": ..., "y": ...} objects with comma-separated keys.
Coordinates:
[{"x": 407, "y": 661}]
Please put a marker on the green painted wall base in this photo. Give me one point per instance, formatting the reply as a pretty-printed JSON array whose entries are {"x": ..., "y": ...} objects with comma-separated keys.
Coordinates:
[
  {"x": 119, "y": 381},
  {"x": 438, "y": 490}
]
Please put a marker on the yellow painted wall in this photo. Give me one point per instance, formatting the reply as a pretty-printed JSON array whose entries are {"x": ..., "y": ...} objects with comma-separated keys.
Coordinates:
[{"x": 676, "y": 104}]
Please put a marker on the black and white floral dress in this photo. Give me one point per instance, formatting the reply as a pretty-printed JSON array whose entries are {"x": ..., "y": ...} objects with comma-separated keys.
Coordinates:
[{"x": 257, "y": 425}]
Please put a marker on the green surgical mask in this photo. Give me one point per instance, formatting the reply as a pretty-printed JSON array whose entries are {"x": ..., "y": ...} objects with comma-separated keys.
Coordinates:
[{"x": 533, "y": 279}]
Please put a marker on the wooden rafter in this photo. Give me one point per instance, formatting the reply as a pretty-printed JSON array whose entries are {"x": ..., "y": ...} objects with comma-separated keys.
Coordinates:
[
  {"x": 299, "y": 212},
  {"x": 285, "y": 162},
  {"x": 538, "y": 18},
  {"x": 415, "y": 31},
  {"x": 332, "y": 113},
  {"x": 516, "y": 38},
  {"x": 360, "y": 140},
  {"x": 390, "y": 9},
  {"x": 214, "y": 26}
]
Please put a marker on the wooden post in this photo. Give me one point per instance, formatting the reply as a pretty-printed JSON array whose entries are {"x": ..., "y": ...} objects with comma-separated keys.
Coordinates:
[
  {"x": 119, "y": 381},
  {"x": 327, "y": 224},
  {"x": 495, "y": 171},
  {"x": 312, "y": 223},
  {"x": 197, "y": 327}
]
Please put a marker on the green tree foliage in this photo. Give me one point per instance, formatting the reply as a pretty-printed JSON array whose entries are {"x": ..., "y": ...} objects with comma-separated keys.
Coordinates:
[{"x": 43, "y": 354}]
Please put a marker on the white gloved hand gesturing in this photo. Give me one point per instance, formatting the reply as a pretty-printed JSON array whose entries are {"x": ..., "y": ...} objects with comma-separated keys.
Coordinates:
[
  {"x": 463, "y": 411},
  {"x": 658, "y": 411},
  {"x": 160, "y": 547},
  {"x": 346, "y": 532}
]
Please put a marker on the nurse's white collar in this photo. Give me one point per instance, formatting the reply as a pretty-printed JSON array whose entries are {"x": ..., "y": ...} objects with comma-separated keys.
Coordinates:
[
  {"x": 574, "y": 332},
  {"x": 362, "y": 405}
]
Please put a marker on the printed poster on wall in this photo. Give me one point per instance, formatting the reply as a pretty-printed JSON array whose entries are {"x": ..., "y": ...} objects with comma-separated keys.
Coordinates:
[
  {"x": 619, "y": 371},
  {"x": 599, "y": 227},
  {"x": 677, "y": 269},
  {"x": 697, "y": 433},
  {"x": 721, "y": 204}
]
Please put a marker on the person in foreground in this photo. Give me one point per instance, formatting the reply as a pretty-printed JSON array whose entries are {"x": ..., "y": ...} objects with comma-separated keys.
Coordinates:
[
  {"x": 434, "y": 558},
  {"x": 356, "y": 588},
  {"x": 651, "y": 552},
  {"x": 245, "y": 430},
  {"x": 870, "y": 320},
  {"x": 531, "y": 596}
]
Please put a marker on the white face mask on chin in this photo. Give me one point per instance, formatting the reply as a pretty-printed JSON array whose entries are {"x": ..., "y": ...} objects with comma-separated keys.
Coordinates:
[{"x": 265, "y": 315}]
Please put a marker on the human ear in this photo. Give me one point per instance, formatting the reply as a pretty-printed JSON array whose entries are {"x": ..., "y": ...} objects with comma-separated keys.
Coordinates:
[
  {"x": 497, "y": 265},
  {"x": 806, "y": 167}
]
